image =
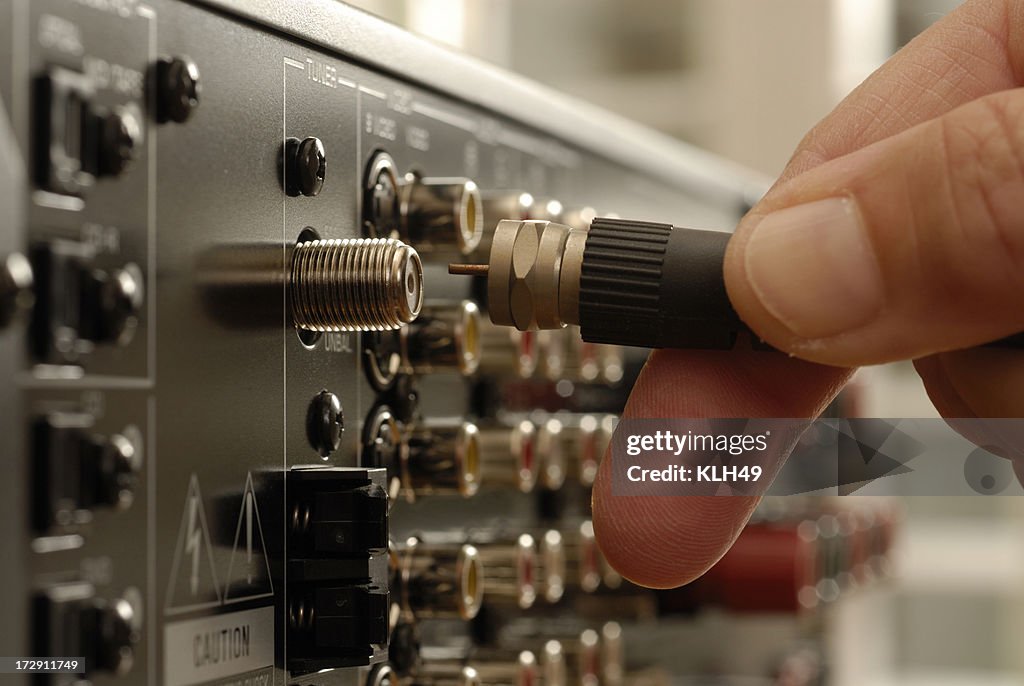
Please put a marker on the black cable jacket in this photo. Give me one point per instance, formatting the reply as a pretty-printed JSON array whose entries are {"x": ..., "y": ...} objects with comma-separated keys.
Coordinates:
[
  {"x": 655, "y": 286},
  {"x": 652, "y": 285}
]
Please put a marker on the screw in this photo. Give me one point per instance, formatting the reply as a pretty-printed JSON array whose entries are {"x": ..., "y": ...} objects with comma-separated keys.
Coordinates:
[
  {"x": 119, "y": 473},
  {"x": 121, "y": 136},
  {"x": 178, "y": 89},
  {"x": 325, "y": 423},
  {"x": 112, "y": 628},
  {"x": 114, "y": 300},
  {"x": 15, "y": 287},
  {"x": 307, "y": 166}
]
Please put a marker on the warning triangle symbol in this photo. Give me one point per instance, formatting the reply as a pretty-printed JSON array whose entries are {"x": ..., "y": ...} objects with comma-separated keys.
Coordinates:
[
  {"x": 193, "y": 583},
  {"x": 249, "y": 569}
]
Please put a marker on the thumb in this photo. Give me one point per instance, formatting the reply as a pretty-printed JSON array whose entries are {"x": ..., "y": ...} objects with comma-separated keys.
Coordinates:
[{"x": 909, "y": 247}]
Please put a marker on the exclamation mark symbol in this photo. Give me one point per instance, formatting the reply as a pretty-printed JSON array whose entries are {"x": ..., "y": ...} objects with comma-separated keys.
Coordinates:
[{"x": 194, "y": 538}]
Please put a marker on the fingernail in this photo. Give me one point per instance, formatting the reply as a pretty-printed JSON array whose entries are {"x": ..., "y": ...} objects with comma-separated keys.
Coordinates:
[{"x": 813, "y": 268}]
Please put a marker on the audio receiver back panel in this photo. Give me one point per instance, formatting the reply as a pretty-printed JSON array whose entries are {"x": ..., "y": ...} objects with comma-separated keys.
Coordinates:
[{"x": 215, "y": 472}]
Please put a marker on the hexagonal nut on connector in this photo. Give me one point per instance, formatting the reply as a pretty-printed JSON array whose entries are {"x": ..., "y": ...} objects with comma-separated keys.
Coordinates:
[
  {"x": 525, "y": 266},
  {"x": 525, "y": 284}
]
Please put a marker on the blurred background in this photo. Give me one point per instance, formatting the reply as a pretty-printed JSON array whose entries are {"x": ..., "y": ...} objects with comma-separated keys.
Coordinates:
[{"x": 746, "y": 79}]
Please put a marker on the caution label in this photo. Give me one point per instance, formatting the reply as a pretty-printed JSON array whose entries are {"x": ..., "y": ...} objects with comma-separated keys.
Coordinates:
[{"x": 200, "y": 650}]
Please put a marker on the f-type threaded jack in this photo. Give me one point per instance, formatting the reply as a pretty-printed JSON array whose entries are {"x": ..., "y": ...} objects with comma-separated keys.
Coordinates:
[{"x": 362, "y": 284}]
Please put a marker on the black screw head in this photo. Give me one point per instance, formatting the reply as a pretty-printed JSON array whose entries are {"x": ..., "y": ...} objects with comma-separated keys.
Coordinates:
[
  {"x": 325, "y": 422},
  {"x": 178, "y": 89},
  {"x": 121, "y": 138},
  {"x": 113, "y": 636},
  {"x": 119, "y": 471},
  {"x": 307, "y": 166},
  {"x": 114, "y": 300}
]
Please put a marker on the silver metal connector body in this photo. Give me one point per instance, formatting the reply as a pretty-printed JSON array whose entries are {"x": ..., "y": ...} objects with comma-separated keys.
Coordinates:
[
  {"x": 442, "y": 216},
  {"x": 445, "y": 337},
  {"x": 583, "y": 445},
  {"x": 508, "y": 455},
  {"x": 445, "y": 673},
  {"x": 534, "y": 274},
  {"x": 355, "y": 284},
  {"x": 442, "y": 580},
  {"x": 511, "y": 571},
  {"x": 506, "y": 352},
  {"x": 582, "y": 558},
  {"x": 551, "y": 551},
  {"x": 443, "y": 458},
  {"x": 551, "y": 450}
]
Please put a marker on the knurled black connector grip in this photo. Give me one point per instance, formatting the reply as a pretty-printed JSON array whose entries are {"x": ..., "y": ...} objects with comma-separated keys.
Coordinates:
[{"x": 655, "y": 286}]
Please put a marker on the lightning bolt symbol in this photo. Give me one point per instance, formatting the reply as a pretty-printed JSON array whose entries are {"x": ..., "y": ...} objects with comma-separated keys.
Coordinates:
[{"x": 195, "y": 536}]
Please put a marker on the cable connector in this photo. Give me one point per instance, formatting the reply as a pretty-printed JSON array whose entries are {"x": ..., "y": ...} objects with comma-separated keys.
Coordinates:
[{"x": 623, "y": 282}]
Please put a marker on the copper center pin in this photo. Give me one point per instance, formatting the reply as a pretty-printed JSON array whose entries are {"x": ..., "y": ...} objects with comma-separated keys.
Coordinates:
[{"x": 469, "y": 269}]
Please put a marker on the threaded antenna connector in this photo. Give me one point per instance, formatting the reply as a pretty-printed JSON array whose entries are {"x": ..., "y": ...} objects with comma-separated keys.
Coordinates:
[{"x": 355, "y": 284}]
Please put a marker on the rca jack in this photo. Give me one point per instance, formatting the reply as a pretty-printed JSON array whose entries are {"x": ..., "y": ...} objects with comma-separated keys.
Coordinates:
[
  {"x": 445, "y": 337},
  {"x": 508, "y": 455},
  {"x": 443, "y": 459},
  {"x": 441, "y": 580},
  {"x": 511, "y": 571}
]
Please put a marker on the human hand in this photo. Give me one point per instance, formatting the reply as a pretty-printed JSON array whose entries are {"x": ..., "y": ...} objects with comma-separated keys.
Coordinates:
[{"x": 895, "y": 232}]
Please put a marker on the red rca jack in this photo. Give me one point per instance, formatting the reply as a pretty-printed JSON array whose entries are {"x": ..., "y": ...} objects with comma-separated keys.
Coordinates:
[
  {"x": 551, "y": 450},
  {"x": 508, "y": 455},
  {"x": 582, "y": 558},
  {"x": 583, "y": 359},
  {"x": 583, "y": 445},
  {"x": 552, "y": 568},
  {"x": 507, "y": 352},
  {"x": 511, "y": 571},
  {"x": 613, "y": 655},
  {"x": 552, "y": 347},
  {"x": 583, "y": 657}
]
